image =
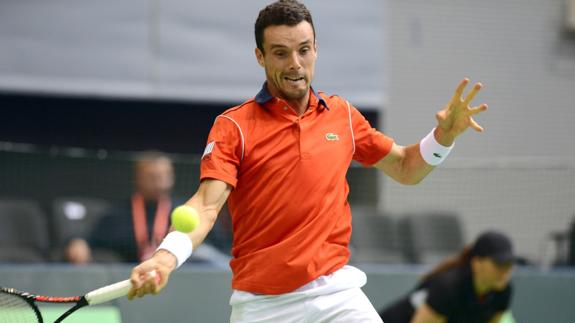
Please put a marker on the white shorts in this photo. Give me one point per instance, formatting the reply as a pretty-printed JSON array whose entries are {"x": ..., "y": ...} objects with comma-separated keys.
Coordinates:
[{"x": 333, "y": 298}]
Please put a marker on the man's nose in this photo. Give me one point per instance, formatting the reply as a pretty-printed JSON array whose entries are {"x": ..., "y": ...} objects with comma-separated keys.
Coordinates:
[{"x": 294, "y": 61}]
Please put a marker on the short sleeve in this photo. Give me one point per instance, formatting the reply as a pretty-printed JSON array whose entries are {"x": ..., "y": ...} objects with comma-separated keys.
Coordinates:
[
  {"x": 223, "y": 152},
  {"x": 370, "y": 145}
]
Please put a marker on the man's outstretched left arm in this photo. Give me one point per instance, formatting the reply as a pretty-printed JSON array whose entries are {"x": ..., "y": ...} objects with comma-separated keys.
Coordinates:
[{"x": 410, "y": 164}]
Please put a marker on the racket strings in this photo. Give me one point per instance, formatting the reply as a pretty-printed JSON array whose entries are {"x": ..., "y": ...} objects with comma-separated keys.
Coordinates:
[{"x": 14, "y": 309}]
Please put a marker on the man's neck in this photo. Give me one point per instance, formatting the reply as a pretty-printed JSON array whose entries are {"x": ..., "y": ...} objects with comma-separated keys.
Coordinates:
[{"x": 300, "y": 106}]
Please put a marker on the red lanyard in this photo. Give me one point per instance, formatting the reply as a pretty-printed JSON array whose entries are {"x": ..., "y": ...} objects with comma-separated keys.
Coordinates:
[{"x": 141, "y": 223}]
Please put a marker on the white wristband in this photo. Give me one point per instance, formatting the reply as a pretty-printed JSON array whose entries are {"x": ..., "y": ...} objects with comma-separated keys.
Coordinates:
[
  {"x": 179, "y": 244},
  {"x": 433, "y": 152}
]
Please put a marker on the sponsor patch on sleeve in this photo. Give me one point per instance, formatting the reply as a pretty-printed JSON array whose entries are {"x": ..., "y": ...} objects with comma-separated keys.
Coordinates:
[{"x": 209, "y": 148}]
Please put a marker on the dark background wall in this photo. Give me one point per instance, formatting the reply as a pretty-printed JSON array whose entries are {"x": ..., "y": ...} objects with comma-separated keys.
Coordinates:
[{"x": 107, "y": 123}]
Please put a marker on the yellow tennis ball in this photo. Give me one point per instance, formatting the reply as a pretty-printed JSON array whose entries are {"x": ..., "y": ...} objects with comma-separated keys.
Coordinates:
[{"x": 185, "y": 218}]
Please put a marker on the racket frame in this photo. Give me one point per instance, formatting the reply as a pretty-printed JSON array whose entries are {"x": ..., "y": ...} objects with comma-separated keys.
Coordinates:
[{"x": 31, "y": 300}]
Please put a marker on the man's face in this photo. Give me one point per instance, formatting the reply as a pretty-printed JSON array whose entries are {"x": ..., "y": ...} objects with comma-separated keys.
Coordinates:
[
  {"x": 154, "y": 178},
  {"x": 289, "y": 60}
]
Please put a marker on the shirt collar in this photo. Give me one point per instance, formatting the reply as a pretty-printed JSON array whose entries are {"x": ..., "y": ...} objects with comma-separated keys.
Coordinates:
[{"x": 264, "y": 96}]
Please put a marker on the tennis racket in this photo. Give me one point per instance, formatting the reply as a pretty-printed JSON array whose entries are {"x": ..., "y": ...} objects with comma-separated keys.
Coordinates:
[{"x": 21, "y": 307}]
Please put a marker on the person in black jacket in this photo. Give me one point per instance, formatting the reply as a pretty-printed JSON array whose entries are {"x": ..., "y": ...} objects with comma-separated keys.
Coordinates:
[{"x": 472, "y": 287}]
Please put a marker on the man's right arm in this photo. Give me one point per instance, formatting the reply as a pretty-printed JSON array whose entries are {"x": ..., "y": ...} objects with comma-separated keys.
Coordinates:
[{"x": 208, "y": 201}]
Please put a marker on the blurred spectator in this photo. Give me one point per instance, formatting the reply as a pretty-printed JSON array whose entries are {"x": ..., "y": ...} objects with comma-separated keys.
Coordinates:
[
  {"x": 571, "y": 242},
  {"x": 78, "y": 251},
  {"x": 473, "y": 286},
  {"x": 133, "y": 229}
]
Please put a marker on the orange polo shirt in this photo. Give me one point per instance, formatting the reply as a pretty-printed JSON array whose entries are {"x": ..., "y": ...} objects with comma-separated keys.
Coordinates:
[{"x": 290, "y": 215}]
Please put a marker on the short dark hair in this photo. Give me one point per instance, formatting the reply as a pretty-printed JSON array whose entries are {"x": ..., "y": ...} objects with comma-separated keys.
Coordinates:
[{"x": 282, "y": 12}]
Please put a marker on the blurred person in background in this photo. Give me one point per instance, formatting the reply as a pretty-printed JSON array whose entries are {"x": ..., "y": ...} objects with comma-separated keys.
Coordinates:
[
  {"x": 471, "y": 287},
  {"x": 571, "y": 244},
  {"x": 132, "y": 230}
]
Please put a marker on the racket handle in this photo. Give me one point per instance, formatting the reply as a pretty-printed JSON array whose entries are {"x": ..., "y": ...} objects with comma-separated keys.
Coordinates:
[{"x": 110, "y": 292}]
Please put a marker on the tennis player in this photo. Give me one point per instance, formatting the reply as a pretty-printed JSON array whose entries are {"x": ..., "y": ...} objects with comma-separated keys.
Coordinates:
[
  {"x": 280, "y": 160},
  {"x": 472, "y": 287}
]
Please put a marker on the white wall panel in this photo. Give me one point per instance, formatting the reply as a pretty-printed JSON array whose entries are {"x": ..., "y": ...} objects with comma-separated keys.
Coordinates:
[{"x": 174, "y": 48}]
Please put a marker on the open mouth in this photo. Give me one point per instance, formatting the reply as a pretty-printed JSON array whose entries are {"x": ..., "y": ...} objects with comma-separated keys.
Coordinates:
[{"x": 294, "y": 79}]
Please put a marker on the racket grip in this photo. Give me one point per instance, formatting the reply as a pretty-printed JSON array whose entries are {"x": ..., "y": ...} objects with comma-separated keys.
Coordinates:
[{"x": 108, "y": 293}]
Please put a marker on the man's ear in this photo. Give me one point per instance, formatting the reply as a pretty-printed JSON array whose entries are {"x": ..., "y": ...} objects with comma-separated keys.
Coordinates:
[{"x": 260, "y": 57}]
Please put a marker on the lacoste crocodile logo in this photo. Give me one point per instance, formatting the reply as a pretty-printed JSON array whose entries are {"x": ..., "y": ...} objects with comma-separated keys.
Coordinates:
[{"x": 331, "y": 136}]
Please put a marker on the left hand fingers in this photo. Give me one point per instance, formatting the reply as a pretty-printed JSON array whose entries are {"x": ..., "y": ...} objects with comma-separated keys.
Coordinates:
[
  {"x": 473, "y": 111},
  {"x": 473, "y": 124},
  {"x": 459, "y": 90},
  {"x": 476, "y": 87},
  {"x": 476, "y": 110}
]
